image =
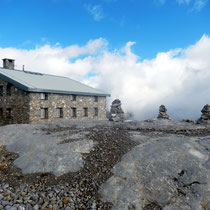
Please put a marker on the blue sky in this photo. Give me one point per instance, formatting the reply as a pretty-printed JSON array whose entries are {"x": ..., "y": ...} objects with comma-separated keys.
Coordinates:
[
  {"x": 155, "y": 25},
  {"x": 144, "y": 52}
]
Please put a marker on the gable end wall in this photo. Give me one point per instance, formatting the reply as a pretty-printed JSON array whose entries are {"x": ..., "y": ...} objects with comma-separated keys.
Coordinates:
[{"x": 18, "y": 102}]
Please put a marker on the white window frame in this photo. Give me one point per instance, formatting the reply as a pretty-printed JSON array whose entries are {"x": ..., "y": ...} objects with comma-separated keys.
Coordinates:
[
  {"x": 43, "y": 114},
  {"x": 59, "y": 112},
  {"x": 42, "y": 96}
]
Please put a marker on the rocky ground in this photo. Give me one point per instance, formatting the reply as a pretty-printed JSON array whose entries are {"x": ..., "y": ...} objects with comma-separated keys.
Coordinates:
[{"x": 155, "y": 164}]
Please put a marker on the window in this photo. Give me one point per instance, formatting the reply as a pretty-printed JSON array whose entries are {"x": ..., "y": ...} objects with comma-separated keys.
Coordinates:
[
  {"x": 73, "y": 97},
  {"x": 96, "y": 98},
  {"x": 9, "y": 112},
  {"x": 95, "y": 111},
  {"x": 44, "y": 96},
  {"x": 73, "y": 112},
  {"x": 1, "y": 90},
  {"x": 59, "y": 112},
  {"x": 44, "y": 113},
  {"x": 1, "y": 112},
  {"x": 9, "y": 89},
  {"x": 85, "y": 111}
]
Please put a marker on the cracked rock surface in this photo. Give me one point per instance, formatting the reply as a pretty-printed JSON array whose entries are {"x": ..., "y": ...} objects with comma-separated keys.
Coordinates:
[
  {"x": 152, "y": 164},
  {"x": 168, "y": 172}
]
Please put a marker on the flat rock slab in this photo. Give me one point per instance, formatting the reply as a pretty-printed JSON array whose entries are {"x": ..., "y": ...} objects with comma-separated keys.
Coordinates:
[
  {"x": 163, "y": 173},
  {"x": 40, "y": 151}
]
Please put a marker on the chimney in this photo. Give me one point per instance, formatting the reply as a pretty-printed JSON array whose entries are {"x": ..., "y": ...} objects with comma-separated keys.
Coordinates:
[{"x": 8, "y": 63}]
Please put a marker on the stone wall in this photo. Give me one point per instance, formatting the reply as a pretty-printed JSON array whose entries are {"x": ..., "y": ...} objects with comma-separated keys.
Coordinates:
[
  {"x": 65, "y": 102},
  {"x": 14, "y": 104},
  {"x": 19, "y": 106}
]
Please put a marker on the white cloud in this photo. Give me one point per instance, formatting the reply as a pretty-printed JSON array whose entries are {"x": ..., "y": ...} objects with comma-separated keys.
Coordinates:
[
  {"x": 178, "y": 78},
  {"x": 199, "y": 4},
  {"x": 96, "y": 11},
  {"x": 195, "y": 5}
]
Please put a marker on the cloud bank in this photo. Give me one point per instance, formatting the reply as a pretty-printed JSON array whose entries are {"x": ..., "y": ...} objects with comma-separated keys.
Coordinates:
[{"x": 179, "y": 78}]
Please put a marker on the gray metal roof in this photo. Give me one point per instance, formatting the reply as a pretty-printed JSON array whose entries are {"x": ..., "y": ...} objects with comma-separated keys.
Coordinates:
[{"x": 38, "y": 82}]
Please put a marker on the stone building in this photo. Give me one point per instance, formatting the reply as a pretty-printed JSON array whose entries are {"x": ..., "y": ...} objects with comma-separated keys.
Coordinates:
[{"x": 30, "y": 97}]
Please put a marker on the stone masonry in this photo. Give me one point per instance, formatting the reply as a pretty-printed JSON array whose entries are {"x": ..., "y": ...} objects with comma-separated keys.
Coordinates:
[
  {"x": 18, "y": 106},
  {"x": 65, "y": 102},
  {"x": 116, "y": 112},
  {"x": 14, "y": 104},
  {"x": 163, "y": 113},
  {"x": 205, "y": 117}
]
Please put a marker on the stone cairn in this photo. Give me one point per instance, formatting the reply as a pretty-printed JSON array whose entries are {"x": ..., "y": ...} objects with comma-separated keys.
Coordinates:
[
  {"x": 205, "y": 116},
  {"x": 116, "y": 112},
  {"x": 162, "y": 113}
]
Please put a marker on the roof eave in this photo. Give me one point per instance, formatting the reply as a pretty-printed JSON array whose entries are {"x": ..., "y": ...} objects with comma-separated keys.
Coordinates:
[
  {"x": 67, "y": 92},
  {"x": 15, "y": 83}
]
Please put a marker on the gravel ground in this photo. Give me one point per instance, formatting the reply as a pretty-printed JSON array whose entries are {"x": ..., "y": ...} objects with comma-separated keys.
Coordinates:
[
  {"x": 81, "y": 189},
  {"x": 76, "y": 190}
]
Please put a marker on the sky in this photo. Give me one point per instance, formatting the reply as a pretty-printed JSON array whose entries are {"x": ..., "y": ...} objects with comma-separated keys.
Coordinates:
[{"x": 144, "y": 52}]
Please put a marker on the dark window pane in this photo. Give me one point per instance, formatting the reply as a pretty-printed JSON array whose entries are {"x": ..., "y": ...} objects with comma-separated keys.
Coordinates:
[
  {"x": 95, "y": 111},
  {"x": 1, "y": 90},
  {"x": 73, "y": 112},
  {"x": 9, "y": 112},
  {"x": 85, "y": 111},
  {"x": 73, "y": 97},
  {"x": 9, "y": 89},
  {"x": 1, "y": 112}
]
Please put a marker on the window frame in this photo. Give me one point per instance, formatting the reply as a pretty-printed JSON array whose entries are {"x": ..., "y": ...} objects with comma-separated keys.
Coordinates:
[
  {"x": 43, "y": 96},
  {"x": 85, "y": 112},
  {"x": 9, "y": 89},
  {"x": 45, "y": 113},
  {"x": 59, "y": 112},
  {"x": 73, "y": 112},
  {"x": 73, "y": 97},
  {"x": 95, "y": 111},
  {"x": 9, "y": 113},
  {"x": 1, "y": 112},
  {"x": 1, "y": 90}
]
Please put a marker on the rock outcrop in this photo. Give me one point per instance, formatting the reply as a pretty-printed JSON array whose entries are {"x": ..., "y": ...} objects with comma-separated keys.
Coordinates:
[
  {"x": 205, "y": 117},
  {"x": 142, "y": 165},
  {"x": 162, "y": 113},
  {"x": 116, "y": 112}
]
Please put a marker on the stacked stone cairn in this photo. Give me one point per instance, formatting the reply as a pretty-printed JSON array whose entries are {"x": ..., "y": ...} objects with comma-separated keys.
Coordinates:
[
  {"x": 205, "y": 116},
  {"x": 116, "y": 112},
  {"x": 162, "y": 113}
]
